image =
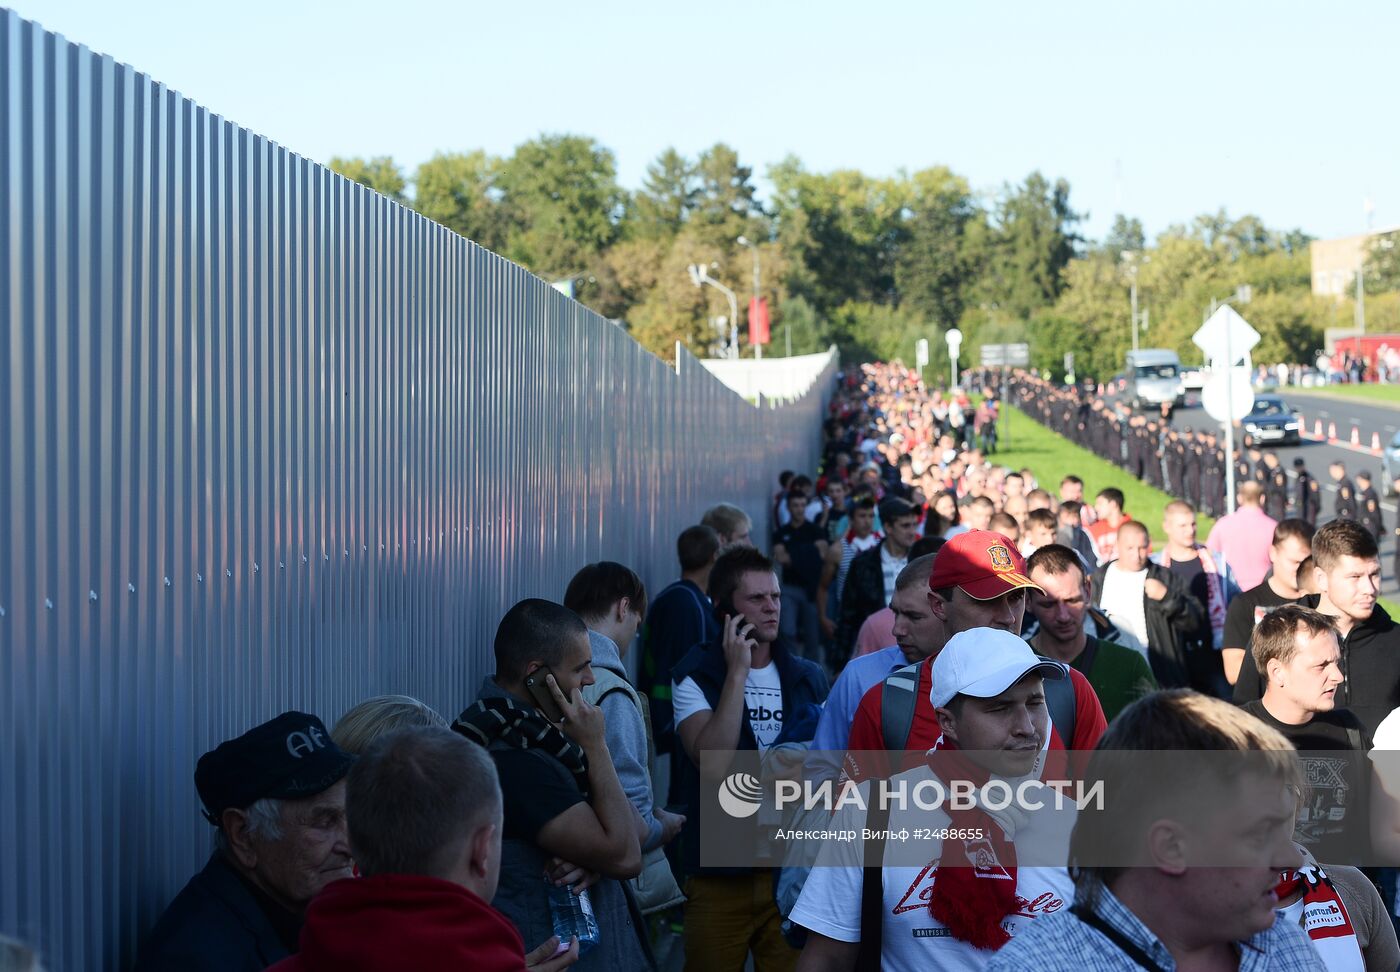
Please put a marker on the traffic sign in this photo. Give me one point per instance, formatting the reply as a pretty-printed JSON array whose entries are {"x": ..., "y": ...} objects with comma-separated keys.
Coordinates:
[
  {"x": 1228, "y": 404},
  {"x": 954, "y": 339},
  {"x": 1225, "y": 334},
  {"x": 1016, "y": 355},
  {"x": 921, "y": 353}
]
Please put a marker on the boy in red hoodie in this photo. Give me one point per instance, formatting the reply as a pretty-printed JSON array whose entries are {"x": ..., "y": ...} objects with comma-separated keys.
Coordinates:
[{"x": 424, "y": 813}]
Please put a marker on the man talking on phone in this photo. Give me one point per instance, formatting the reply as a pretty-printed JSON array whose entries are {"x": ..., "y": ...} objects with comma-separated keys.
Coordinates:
[
  {"x": 745, "y": 691},
  {"x": 567, "y": 819}
]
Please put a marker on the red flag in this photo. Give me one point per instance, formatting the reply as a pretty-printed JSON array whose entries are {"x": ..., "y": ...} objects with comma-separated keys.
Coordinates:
[{"x": 758, "y": 320}]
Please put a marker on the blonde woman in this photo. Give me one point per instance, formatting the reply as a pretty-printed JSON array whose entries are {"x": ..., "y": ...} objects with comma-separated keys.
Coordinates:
[{"x": 362, "y": 725}]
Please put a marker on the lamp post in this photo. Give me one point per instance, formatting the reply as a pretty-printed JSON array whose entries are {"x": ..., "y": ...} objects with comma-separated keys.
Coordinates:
[
  {"x": 700, "y": 275},
  {"x": 1130, "y": 257},
  {"x": 954, "y": 338},
  {"x": 744, "y": 241}
]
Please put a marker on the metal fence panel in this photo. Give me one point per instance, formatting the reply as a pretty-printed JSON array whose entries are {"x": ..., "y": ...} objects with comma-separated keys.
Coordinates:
[{"x": 274, "y": 441}]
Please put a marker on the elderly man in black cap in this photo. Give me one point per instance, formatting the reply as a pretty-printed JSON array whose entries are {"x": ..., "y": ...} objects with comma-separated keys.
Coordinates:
[{"x": 276, "y": 795}]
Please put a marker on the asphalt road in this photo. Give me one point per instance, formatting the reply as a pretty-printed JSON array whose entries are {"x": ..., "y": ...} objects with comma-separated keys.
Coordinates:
[{"x": 1319, "y": 453}]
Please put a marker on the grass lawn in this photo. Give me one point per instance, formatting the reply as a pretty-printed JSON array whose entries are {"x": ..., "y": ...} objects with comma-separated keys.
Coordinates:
[
  {"x": 1026, "y": 443},
  {"x": 1379, "y": 394}
]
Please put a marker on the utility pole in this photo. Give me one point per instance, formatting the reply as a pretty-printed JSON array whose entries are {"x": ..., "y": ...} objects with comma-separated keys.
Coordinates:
[
  {"x": 1130, "y": 258},
  {"x": 1133, "y": 300},
  {"x": 1361, "y": 296},
  {"x": 757, "y": 289}
]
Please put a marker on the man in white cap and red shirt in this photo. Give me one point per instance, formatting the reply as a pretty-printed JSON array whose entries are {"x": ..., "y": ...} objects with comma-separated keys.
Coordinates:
[
  {"x": 978, "y": 581},
  {"x": 927, "y": 903}
]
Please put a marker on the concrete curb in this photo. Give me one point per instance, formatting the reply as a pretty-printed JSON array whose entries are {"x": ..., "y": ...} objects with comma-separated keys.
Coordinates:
[{"x": 1293, "y": 391}]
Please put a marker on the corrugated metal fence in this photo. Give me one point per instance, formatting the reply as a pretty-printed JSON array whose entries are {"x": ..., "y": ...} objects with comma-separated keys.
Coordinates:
[{"x": 273, "y": 441}]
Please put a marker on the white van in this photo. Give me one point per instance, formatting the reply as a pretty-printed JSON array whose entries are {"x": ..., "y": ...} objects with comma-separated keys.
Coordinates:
[{"x": 1153, "y": 377}]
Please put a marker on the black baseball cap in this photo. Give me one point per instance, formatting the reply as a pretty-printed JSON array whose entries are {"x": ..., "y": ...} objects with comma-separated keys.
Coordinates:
[
  {"x": 286, "y": 758},
  {"x": 1298, "y": 462}
]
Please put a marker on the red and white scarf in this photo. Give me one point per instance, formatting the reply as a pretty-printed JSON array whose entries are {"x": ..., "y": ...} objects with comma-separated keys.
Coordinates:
[
  {"x": 1322, "y": 916},
  {"x": 1215, "y": 593},
  {"x": 975, "y": 887}
]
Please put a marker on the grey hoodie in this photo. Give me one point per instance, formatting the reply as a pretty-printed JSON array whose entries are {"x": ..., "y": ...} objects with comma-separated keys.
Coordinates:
[{"x": 626, "y": 737}]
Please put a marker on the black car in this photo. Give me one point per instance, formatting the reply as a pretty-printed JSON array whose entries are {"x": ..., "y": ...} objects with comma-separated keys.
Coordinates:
[{"x": 1272, "y": 420}]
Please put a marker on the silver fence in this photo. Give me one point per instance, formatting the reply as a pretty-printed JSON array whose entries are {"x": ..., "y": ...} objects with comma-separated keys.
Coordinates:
[{"x": 273, "y": 441}]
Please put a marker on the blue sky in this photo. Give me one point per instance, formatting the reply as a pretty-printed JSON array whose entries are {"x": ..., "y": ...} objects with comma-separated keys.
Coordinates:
[{"x": 1282, "y": 109}]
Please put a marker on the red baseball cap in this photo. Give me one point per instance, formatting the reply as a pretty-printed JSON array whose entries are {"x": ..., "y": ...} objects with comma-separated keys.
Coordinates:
[{"x": 983, "y": 563}]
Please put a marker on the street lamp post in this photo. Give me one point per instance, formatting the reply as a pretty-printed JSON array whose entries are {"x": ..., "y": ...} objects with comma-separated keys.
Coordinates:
[
  {"x": 1131, "y": 259},
  {"x": 700, "y": 275},
  {"x": 744, "y": 241}
]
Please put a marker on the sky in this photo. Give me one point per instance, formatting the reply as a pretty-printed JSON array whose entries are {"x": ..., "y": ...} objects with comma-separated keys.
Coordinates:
[{"x": 1163, "y": 111}]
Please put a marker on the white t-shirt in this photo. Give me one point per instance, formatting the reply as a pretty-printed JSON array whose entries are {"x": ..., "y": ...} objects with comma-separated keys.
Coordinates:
[
  {"x": 763, "y": 698},
  {"x": 1122, "y": 601},
  {"x": 1387, "y": 734},
  {"x": 911, "y": 938}
]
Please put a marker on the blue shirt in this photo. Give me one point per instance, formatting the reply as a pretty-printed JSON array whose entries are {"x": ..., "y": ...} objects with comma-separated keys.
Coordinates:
[
  {"x": 857, "y": 678},
  {"x": 1062, "y": 941}
]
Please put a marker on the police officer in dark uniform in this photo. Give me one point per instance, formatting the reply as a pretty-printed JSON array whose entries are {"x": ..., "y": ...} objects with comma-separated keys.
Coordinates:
[
  {"x": 1244, "y": 472},
  {"x": 1368, "y": 506},
  {"x": 1176, "y": 464},
  {"x": 1275, "y": 487},
  {"x": 1212, "y": 473},
  {"x": 1307, "y": 494},
  {"x": 1259, "y": 470},
  {"x": 1194, "y": 471},
  {"x": 1345, "y": 504}
]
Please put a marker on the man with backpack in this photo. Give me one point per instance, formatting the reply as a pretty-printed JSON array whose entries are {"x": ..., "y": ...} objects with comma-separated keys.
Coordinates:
[
  {"x": 939, "y": 902},
  {"x": 611, "y": 600},
  {"x": 978, "y": 581}
]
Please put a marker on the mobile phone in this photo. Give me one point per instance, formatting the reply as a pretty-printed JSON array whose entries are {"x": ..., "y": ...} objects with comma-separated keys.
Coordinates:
[{"x": 538, "y": 687}]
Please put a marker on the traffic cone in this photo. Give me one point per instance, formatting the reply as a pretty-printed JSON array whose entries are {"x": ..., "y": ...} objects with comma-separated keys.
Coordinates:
[
  {"x": 1375, "y": 443},
  {"x": 1317, "y": 430},
  {"x": 1331, "y": 431},
  {"x": 1355, "y": 437}
]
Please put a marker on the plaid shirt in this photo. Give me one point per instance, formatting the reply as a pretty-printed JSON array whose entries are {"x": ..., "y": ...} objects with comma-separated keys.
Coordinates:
[{"x": 1062, "y": 941}]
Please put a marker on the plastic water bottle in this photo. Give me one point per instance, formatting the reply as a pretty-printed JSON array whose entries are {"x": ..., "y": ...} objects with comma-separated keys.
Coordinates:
[{"x": 572, "y": 917}]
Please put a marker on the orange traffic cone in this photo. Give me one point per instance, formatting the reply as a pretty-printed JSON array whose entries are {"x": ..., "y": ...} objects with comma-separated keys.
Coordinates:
[
  {"x": 1317, "y": 430},
  {"x": 1331, "y": 431},
  {"x": 1355, "y": 436},
  {"x": 1375, "y": 443}
]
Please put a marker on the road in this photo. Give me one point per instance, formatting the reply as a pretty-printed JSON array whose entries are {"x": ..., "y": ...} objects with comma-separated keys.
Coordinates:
[{"x": 1318, "y": 452}]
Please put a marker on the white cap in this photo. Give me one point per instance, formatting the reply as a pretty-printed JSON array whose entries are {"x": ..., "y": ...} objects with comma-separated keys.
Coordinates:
[{"x": 984, "y": 663}]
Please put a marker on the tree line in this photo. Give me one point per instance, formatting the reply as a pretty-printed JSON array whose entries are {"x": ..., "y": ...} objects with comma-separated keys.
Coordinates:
[{"x": 866, "y": 262}]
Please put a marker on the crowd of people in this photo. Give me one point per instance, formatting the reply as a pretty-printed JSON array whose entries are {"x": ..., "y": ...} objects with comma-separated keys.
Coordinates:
[{"x": 920, "y": 601}]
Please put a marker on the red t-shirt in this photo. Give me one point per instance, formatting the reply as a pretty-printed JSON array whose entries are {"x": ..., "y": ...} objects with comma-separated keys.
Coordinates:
[{"x": 866, "y": 735}]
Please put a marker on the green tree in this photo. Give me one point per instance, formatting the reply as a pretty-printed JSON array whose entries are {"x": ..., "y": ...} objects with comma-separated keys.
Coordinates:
[
  {"x": 667, "y": 196},
  {"x": 457, "y": 190},
  {"x": 842, "y": 230},
  {"x": 810, "y": 332},
  {"x": 1126, "y": 236},
  {"x": 1032, "y": 241},
  {"x": 1381, "y": 273},
  {"x": 933, "y": 269},
  {"x": 379, "y": 173},
  {"x": 865, "y": 331},
  {"x": 561, "y": 203}
]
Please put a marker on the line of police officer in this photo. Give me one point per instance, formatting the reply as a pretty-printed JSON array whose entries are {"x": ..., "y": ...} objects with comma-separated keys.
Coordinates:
[{"x": 1185, "y": 463}]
